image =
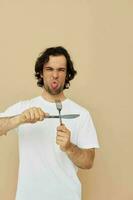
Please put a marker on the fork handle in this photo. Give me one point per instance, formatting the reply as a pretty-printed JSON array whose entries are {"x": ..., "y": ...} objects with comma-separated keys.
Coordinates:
[{"x": 60, "y": 118}]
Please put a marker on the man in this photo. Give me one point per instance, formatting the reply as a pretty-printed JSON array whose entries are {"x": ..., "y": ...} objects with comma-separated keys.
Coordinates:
[{"x": 50, "y": 153}]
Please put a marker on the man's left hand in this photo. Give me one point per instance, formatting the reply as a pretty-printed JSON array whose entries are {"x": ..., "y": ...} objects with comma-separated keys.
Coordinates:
[{"x": 63, "y": 137}]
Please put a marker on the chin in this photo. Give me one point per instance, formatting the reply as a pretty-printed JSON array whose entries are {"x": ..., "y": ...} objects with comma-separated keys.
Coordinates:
[{"x": 54, "y": 92}]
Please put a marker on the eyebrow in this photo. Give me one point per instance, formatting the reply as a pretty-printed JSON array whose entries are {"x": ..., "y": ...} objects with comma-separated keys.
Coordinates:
[{"x": 49, "y": 67}]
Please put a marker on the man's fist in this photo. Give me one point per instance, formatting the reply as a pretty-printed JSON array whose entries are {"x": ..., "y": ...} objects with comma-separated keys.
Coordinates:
[
  {"x": 32, "y": 115},
  {"x": 63, "y": 137}
]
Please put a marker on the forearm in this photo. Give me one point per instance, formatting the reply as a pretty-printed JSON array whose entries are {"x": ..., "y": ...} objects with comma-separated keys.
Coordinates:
[
  {"x": 8, "y": 123},
  {"x": 82, "y": 158},
  {"x": 31, "y": 115}
]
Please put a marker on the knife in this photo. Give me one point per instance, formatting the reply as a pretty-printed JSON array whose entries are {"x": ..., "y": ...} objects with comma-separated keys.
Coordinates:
[{"x": 69, "y": 116}]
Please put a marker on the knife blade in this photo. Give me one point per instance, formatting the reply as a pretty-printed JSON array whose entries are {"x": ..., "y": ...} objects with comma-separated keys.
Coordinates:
[{"x": 69, "y": 116}]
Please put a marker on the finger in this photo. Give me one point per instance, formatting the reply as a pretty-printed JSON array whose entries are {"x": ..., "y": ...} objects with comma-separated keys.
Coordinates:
[
  {"x": 65, "y": 140},
  {"x": 27, "y": 116},
  {"x": 61, "y": 128},
  {"x": 36, "y": 114},
  {"x": 62, "y": 124},
  {"x": 32, "y": 115},
  {"x": 59, "y": 142},
  {"x": 41, "y": 114},
  {"x": 46, "y": 114},
  {"x": 62, "y": 134},
  {"x": 60, "y": 138}
]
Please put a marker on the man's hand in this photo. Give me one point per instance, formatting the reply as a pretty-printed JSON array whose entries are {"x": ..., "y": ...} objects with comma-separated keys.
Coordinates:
[
  {"x": 63, "y": 137},
  {"x": 32, "y": 115}
]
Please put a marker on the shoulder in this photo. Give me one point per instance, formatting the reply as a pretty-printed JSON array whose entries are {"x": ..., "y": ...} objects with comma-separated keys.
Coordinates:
[
  {"x": 20, "y": 106},
  {"x": 75, "y": 107},
  {"x": 31, "y": 102},
  {"x": 25, "y": 104}
]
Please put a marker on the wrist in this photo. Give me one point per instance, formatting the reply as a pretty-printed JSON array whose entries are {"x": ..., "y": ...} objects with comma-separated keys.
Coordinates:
[
  {"x": 19, "y": 120},
  {"x": 71, "y": 148}
]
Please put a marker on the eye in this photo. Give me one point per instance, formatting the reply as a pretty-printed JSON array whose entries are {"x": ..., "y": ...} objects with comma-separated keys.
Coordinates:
[
  {"x": 49, "y": 69},
  {"x": 61, "y": 69}
]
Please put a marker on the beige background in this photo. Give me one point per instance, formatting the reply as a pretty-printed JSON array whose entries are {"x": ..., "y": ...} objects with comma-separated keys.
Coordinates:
[{"x": 98, "y": 35}]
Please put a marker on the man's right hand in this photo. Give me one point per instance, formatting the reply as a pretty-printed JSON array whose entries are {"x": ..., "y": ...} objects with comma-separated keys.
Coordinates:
[{"x": 32, "y": 115}]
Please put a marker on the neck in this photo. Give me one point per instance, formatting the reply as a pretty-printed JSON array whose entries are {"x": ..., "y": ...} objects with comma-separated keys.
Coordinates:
[{"x": 49, "y": 97}]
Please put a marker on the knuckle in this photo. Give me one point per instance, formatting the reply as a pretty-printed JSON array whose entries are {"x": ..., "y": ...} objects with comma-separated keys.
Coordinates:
[{"x": 37, "y": 117}]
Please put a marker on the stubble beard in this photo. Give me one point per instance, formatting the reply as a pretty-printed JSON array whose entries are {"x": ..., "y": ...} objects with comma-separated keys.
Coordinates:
[{"x": 52, "y": 91}]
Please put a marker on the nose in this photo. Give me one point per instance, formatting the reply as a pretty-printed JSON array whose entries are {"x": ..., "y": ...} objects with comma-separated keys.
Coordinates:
[{"x": 55, "y": 74}]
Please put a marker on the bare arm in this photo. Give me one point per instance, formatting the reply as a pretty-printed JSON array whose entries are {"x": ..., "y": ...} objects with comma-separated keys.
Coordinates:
[
  {"x": 30, "y": 115},
  {"x": 8, "y": 123},
  {"x": 82, "y": 158}
]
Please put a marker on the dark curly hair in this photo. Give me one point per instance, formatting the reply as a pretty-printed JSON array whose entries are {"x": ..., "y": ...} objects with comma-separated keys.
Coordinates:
[{"x": 44, "y": 58}]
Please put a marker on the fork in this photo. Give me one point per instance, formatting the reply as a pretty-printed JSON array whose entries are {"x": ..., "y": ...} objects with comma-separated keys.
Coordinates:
[{"x": 59, "y": 108}]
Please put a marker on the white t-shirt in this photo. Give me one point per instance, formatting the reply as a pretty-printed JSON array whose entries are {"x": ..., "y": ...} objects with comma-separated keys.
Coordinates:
[{"x": 46, "y": 172}]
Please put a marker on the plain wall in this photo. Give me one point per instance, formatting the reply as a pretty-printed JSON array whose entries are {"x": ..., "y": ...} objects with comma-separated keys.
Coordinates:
[{"x": 98, "y": 35}]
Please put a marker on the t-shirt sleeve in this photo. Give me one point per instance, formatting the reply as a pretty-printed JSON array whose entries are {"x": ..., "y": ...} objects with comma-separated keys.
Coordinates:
[
  {"x": 12, "y": 110},
  {"x": 87, "y": 136}
]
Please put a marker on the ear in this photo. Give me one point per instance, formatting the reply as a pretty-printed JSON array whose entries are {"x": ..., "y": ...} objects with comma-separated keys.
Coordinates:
[{"x": 67, "y": 79}]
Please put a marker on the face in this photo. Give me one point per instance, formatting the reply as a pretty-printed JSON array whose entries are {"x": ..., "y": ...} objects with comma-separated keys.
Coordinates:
[{"x": 54, "y": 74}]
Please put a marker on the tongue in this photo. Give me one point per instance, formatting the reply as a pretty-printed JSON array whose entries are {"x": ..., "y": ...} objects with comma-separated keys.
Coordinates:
[{"x": 54, "y": 85}]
